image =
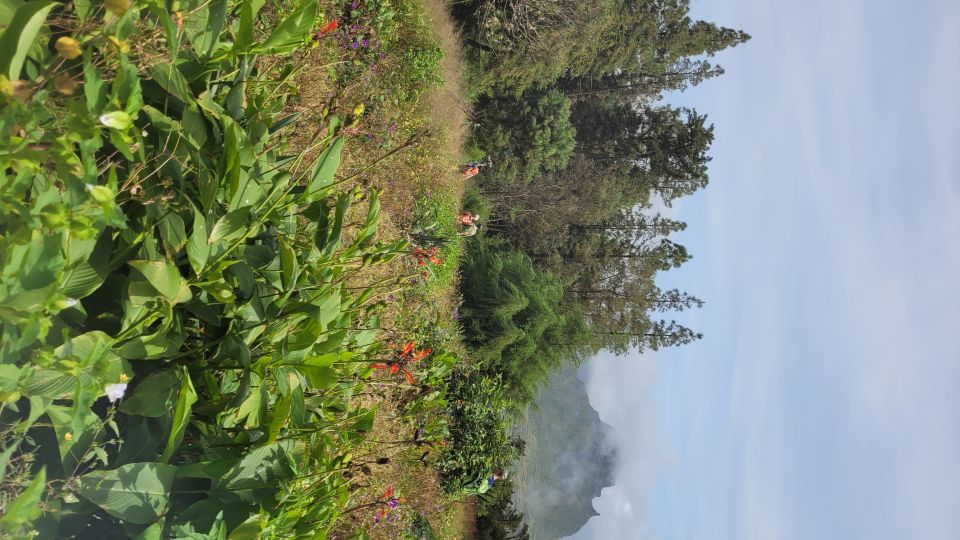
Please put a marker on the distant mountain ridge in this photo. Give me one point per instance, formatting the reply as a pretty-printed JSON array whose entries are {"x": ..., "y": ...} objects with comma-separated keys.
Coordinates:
[{"x": 568, "y": 459}]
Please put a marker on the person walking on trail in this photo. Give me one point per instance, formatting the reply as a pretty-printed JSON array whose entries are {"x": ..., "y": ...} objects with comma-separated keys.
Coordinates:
[
  {"x": 466, "y": 218},
  {"x": 483, "y": 484},
  {"x": 470, "y": 169},
  {"x": 471, "y": 230}
]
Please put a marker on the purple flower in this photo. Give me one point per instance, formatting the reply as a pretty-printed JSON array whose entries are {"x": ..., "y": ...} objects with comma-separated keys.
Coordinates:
[
  {"x": 353, "y": 5},
  {"x": 393, "y": 503},
  {"x": 354, "y": 44},
  {"x": 456, "y": 314},
  {"x": 383, "y": 56},
  {"x": 392, "y": 128},
  {"x": 364, "y": 42}
]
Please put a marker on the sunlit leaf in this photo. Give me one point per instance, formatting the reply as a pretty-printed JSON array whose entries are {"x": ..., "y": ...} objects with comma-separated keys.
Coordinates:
[{"x": 138, "y": 492}]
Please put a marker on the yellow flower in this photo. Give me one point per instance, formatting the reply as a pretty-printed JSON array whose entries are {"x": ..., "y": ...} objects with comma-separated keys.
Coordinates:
[
  {"x": 117, "y": 7},
  {"x": 68, "y": 47},
  {"x": 124, "y": 378},
  {"x": 118, "y": 45},
  {"x": 358, "y": 110},
  {"x": 68, "y": 436},
  {"x": 16, "y": 89},
  {"x": 65, "y": 84}
]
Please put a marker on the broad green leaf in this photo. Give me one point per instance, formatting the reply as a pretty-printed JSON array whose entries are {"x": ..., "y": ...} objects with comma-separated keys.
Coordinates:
[
  {"x": 94, "y": 89},
  {"x": 86, "y": 276},
  {"x": 50, "y": 383},
  {"x": 164, "y": 343},
  {"x": 331, "y": 343},
  {"x": 172, "y": 80},
  {"x": 138, "y": 492},
  {"x": 293, "y": 32},
  {"x": 165, "y": 278},
  {"x": 181, "y": 415},
  {"x": 160, "y": 121},
  {"x": 231, "y": 226},
  {"x": 252, "y": 408},
  {"x": 335, "y": 230},
  {"x": 153, "y": 532},
  {"x": 289, "y": 265},
  {"x": 194, "y": 127},
  {"x": 324, "y": 170},
  {"x": 173, "y": 233},
  {"x": 26, "y": 507},
  {"x": 16, "y": 40},
  {"x": 9, "y": 379},
  {"x": 204, "y": 24},
  {"x": 198, "y": 250},
  {"x": 320, "y": 378},
  {"x": 248, "y": 16},
  {"x": 281, "y": 413},
  {"x": 283, "y": 122},
  {"x": 369, "y": 228},
  {"x": 262, "y": 466},
  {"x": 251, "y": 529},
  {"x": 155, "y": 396},
  {"x": 8, "y": 8}
]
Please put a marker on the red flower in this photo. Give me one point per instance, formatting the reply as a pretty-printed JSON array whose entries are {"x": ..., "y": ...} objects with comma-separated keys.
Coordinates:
[
  {"x": 394, "y": 368},
  {"x": 436, "y": 260},
  {"x": 388, "y": 493},
  {"x": 407, "y": 348},
  {"x": 378, "y": 366},
  {"x": 329, "y": 27},
  {"x": 420, "y": 355},
  {"x": 409, "y": 377}
]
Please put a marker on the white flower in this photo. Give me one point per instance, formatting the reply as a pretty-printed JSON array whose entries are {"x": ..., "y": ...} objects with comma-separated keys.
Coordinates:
[{"x": 115, "y": 391}]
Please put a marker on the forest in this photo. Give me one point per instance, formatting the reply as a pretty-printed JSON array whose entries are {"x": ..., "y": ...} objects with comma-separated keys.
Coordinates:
[{"x": 586, "y": 161}]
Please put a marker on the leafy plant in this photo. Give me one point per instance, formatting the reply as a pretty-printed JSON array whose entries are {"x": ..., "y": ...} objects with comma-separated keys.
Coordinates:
[{"x": 180, "y": 348}]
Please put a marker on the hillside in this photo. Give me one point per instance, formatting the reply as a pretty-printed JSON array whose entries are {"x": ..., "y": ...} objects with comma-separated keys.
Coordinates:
[{"x": 568, "y": 459}]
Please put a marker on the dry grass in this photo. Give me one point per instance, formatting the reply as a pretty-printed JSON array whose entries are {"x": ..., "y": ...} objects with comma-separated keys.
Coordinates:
[
  {"x": 448, "y": 105},
  {"x": 424, "y": 173}
]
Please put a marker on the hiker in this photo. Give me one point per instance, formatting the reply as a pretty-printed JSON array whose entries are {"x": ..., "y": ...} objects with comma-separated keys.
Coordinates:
[
  {"x": 471, "y": 230},
  {"x": 466, "y": 218},
  {"x": 484, "y": 483},
  {"x": 470, "y": 169}
]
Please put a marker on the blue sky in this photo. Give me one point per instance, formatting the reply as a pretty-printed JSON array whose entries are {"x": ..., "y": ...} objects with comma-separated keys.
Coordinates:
[{"x": 824, "y": 400}]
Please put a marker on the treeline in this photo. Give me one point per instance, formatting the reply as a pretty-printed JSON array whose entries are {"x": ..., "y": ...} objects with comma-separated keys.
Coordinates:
[{"x": 583, "y": 154}]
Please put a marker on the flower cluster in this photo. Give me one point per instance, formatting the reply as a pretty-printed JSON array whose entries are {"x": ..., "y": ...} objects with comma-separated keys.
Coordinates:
[
  {"x": 424, "y": 255},
  {"x": 404, "y": 361},
  {"x": 386, "y": 503}
]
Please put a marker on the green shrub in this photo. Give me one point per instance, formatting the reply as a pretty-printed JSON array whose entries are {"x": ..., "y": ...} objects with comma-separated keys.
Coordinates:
[
  {"x": 179, "y": 350},
  {"x": 526, "y": 135},
  {"x": 515, "y": 319},
  {"x": 479, "y": 415}
]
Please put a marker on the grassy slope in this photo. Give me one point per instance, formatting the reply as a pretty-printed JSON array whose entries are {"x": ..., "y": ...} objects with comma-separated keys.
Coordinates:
[{"x": 421, "y": 186}]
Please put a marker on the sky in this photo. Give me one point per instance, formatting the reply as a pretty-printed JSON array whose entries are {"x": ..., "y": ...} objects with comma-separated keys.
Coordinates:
[{"x": 824, "y": 400}]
